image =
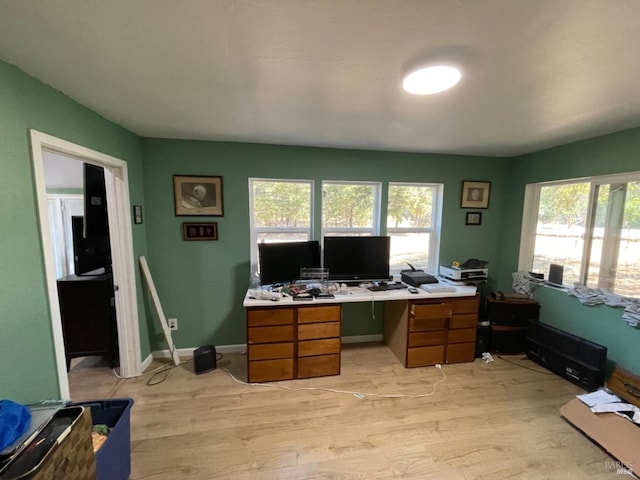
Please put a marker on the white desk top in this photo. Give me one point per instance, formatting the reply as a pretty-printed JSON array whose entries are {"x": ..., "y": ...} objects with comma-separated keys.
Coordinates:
[{"x": 360, "y": 294}]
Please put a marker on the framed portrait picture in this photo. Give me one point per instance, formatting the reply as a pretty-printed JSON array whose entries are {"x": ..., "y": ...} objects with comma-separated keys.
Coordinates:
[
  {"x": 475, "y": 194},
  {"x": 474, "y": 218},
  {"x": 200, "y": 231},
  {"x": 198, "y": 195}
]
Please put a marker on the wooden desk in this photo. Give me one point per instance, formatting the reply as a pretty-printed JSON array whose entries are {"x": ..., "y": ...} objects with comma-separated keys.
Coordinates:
[{"x": 291, "y": 339}]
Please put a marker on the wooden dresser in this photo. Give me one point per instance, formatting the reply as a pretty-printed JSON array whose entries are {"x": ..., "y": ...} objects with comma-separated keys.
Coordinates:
[
  {"x": 432, "y": 331},
  {"x": 285, "y": 343}
]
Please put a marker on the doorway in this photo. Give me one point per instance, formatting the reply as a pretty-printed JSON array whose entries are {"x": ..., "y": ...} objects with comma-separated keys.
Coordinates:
[{"x": 120, "y": 236}]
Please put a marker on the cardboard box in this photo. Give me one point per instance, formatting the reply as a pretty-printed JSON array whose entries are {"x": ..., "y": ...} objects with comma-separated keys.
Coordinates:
[{"x": 618, "y": 436}]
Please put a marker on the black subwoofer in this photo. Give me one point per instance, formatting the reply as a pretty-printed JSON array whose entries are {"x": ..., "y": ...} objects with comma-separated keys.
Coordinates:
[{"x": 204, "y": 359}]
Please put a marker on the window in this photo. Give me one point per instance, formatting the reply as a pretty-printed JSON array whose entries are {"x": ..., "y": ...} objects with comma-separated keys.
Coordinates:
[
  {"x": 413, "y": 223},
  {"x": 350, "y": 208},
  {"x": 280, "y": 211},
  {"x": 590, "y": 226},
  {"x": 61, "y": 209}
]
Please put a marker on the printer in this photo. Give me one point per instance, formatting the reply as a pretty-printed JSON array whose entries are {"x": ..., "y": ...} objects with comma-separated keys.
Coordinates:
[{"x": 472, "y": 269}]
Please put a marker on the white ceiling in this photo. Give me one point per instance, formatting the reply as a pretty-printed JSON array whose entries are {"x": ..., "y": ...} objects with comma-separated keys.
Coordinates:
[{"x": 536, "y": 73}]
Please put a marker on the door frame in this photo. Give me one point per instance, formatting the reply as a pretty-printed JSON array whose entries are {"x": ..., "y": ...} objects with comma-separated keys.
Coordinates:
[{"x": 121, "y": 238}]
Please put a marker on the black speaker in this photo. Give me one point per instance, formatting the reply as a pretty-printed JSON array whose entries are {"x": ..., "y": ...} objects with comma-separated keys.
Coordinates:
[
  {"x": 555, "y": 274},
  {"x": 204, "y": 359},
  {"x": 574, "y": 358}
]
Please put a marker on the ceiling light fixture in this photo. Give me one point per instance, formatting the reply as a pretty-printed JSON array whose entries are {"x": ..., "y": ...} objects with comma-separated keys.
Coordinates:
[{"x": 429, "y": 80}]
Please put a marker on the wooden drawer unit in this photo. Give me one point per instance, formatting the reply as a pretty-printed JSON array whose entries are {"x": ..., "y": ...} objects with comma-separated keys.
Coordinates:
[
  {"x": 463, "y": 328},
  {"x": 293, "y": 342},
  {"x": 319, "y": 341},
  {"x": 426, "y": 332},
  {"x": 270, "y": 344}
]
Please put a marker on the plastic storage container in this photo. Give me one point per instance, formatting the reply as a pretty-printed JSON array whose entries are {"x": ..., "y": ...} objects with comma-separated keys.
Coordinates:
[{"x": 113, "y": 459}]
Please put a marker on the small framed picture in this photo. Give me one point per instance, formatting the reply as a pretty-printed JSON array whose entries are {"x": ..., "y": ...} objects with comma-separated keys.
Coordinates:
[
  {"x": 197, "y": 195},
  {"x": 474, "y": 218},
  {"x": 200, "y": 231},
  {"x": 137, "y": 214},
  {"x": 475, "y": 194}
]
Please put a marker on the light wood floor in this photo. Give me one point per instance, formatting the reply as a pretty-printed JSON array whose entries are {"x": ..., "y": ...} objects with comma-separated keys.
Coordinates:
[{"x": 484, "y": 421}]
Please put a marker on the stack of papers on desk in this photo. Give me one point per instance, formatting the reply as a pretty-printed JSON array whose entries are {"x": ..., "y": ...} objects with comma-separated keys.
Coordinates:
[{"x": 437, "y": 288}]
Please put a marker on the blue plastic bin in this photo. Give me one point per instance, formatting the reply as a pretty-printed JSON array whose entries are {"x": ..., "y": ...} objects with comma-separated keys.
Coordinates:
[{"x": 113, "y": 459}]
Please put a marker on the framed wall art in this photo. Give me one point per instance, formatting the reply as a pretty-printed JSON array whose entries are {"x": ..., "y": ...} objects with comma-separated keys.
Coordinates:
[
  {"x": 200, "y": 231},
  {"x": 198, "y": 195},
  {"x": 474, "y": 218},
  {"x": 475, "y": 194}
]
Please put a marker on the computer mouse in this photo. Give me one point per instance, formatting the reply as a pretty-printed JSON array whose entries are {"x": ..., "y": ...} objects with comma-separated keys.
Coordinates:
[{"x": 412, "y": 290}]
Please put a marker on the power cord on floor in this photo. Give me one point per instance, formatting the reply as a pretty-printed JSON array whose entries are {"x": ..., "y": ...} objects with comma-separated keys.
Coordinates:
[
  {"x": 167, "y": 368},
  {"x": 524, "y": 366},
  {"x": 360, "y": 395}
]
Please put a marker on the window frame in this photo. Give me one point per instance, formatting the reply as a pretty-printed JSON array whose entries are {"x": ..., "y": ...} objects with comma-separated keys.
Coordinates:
[
  {"x": 255, "y": 231},
  {"x": 530, "y": 213},
  {"x": 374, "y": 230},
  {"x": 435, "y": 231}
]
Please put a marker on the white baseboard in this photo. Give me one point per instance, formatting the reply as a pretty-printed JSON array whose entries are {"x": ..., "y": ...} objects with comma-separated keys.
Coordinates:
[
  {"x": 146, "y": 362},
  {"x": 378, "y": 337},
  {"x": 188, "y": 352},
  {"x": 239, "y": 348}
]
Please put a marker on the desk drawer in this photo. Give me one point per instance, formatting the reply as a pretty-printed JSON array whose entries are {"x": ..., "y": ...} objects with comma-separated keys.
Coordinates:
[
  {"x": 466, "y": 305},
  {"x": 310, "y": 331},
  {"x": 319, "y": 366},
  {"x": 468, "y": 320},
  {"x": 270, "y": 316},
  {"x": 423, "y": 339},
  {"x": 270, "y": 370},
  {"x": 421, "y": 356},
  {"x": 462, "y": 335},
  {"x": 461, "y": 352},
  {"x": 318, "y": 347},
  {"x": 425, "y": 324},
  {"x": 268, "y": 351},
  {"x": 328, "y": 313},
  {"x": 270, "y": 334},
  {"x": 436, "y": 310}
]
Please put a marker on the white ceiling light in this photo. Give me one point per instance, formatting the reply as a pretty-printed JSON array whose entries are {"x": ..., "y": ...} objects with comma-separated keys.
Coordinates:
[{"x": 426, "y": 81}]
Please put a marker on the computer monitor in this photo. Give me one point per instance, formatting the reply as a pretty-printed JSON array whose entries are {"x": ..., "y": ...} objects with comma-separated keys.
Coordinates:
[
  {"x": 354, "y": 259},
  {"x": 281, "y": 262}
]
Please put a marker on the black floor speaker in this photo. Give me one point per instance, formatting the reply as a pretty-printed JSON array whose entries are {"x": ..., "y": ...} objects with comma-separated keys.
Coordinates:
[
  {"x": 574, "y": 358},
  {"x": 204, "y": 359}
]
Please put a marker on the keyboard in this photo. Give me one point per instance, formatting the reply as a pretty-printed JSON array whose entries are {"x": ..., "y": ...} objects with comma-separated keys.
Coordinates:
[{"x": 386, "y": 286}]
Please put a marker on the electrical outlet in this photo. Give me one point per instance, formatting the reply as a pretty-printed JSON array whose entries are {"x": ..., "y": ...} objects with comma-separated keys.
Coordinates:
[{"x": 173, "y": 323}]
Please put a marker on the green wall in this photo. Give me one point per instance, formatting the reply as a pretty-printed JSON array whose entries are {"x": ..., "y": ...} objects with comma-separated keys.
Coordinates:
[
  {"x": 203, "y": 283},
  {"x": 608, "y": 154},
  {"x": 27, "y": 371}
]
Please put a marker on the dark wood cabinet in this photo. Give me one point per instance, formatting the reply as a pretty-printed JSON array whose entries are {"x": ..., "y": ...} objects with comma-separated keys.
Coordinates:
[
  {"x": 508, "y": 320},
  {"x": 87, "y": 310}
]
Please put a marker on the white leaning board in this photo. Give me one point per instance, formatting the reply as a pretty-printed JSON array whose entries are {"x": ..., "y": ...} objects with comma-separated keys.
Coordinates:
[{"x": 156, "y": 302}]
